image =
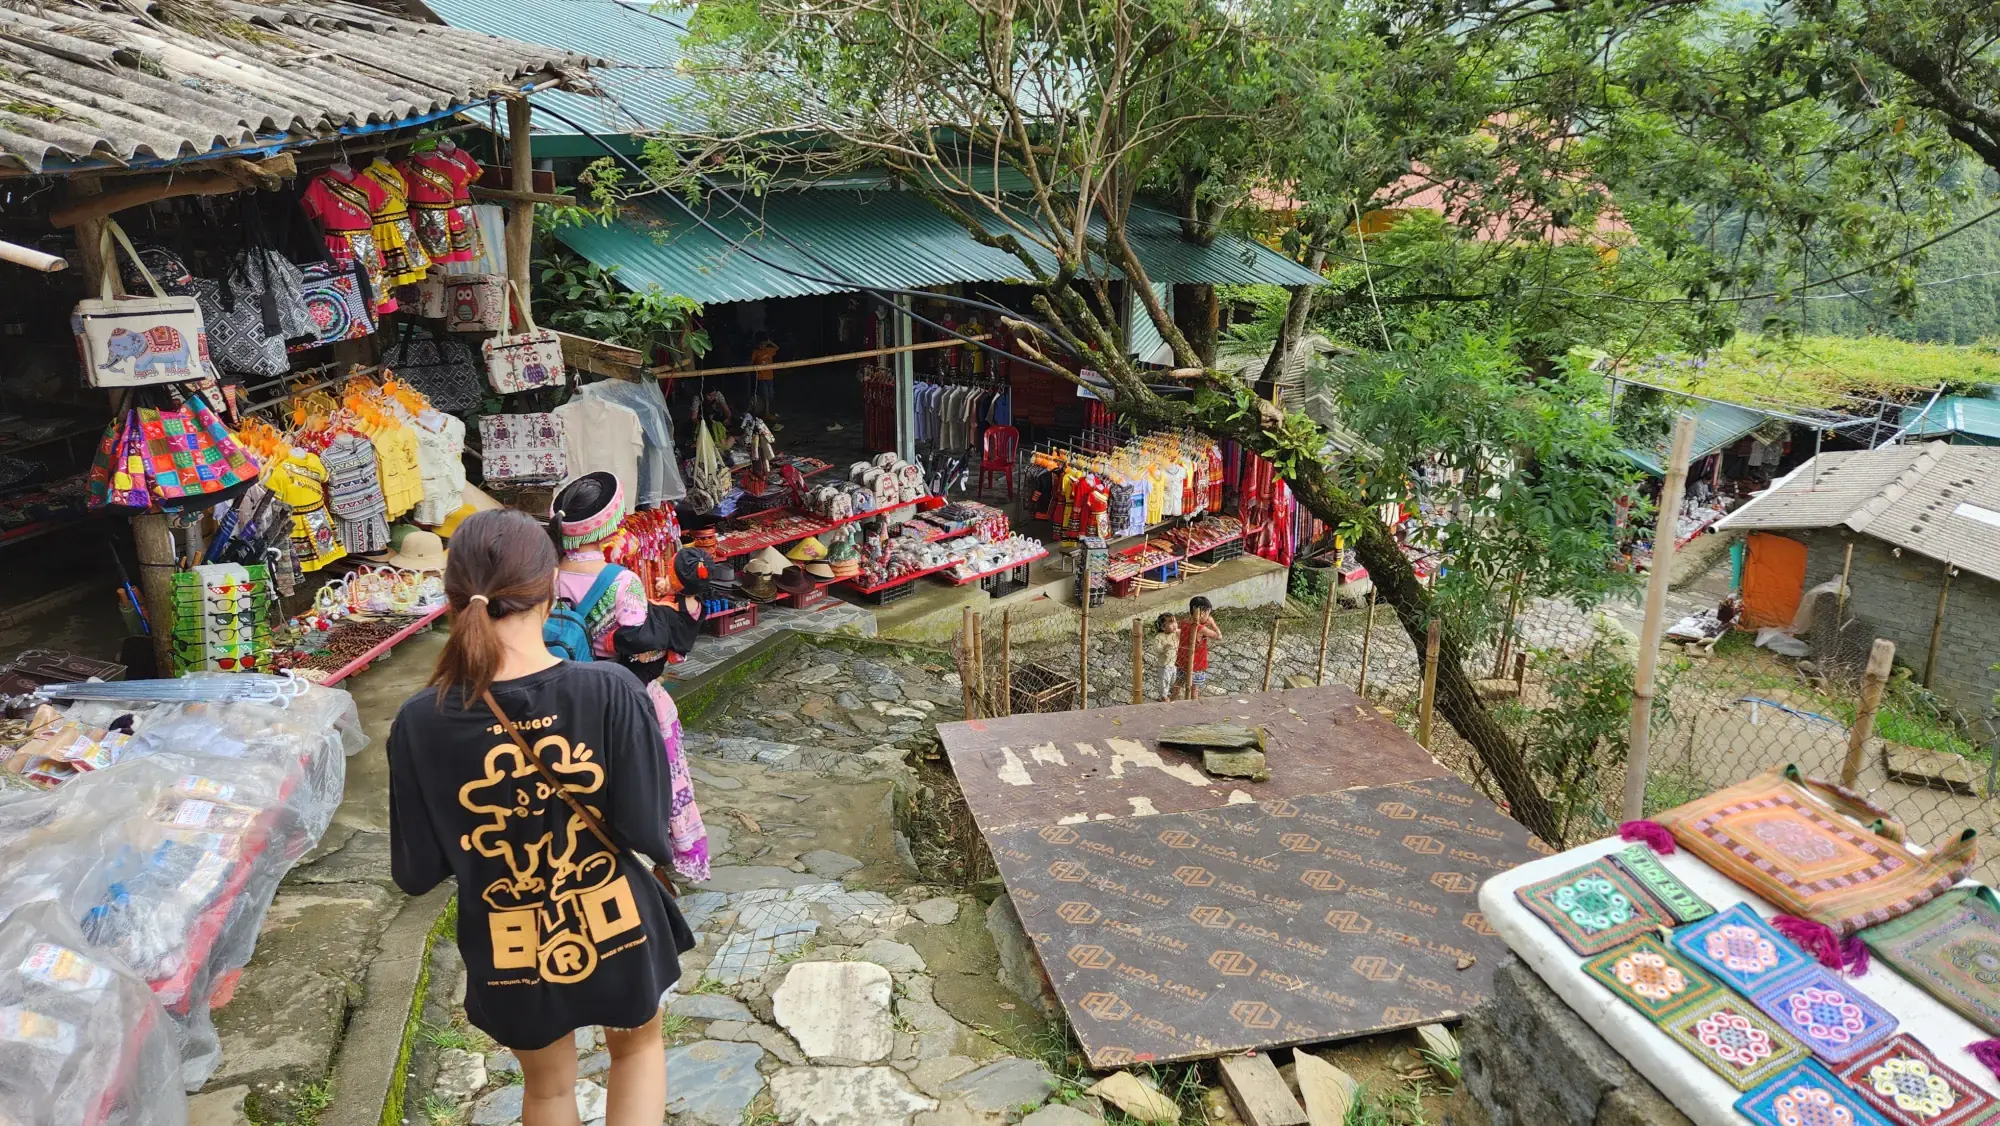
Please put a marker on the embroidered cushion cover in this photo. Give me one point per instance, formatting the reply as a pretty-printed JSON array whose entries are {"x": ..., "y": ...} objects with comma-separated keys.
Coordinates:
[
  {"x": 1666, "y": 888},
  {"x": 1828, "y": 1015},
  {"x": 1784, "y": 837},
  {"x": 1741, "y": 949},
  {"x": 1807, "y": 1095},
  {"x": 1950, "y": 947},
  {"x": 1594, "y": 907},
  {"x": 1734, "y": 1040},
  {"x": 1903, "y": 1080},
  {"x": 1651, "y": 977}
]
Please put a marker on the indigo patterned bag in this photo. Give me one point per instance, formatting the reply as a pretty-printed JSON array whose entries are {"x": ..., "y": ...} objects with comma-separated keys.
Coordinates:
[{"x": 339, "y": 303}]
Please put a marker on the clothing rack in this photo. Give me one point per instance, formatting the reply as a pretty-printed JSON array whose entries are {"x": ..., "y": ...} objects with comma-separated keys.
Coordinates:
[{"x": 295, "y": 392}]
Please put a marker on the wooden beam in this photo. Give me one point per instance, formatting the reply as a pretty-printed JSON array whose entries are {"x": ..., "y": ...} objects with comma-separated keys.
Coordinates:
[
  {"x": 92, "y": 255},
  {"x": 232, "y": 175},
  {"x": 509, "y": 195},
  {"x": 1260, "y": 1093},
  {"x": 521, "y": 212},
  {"x": 32, "y": 259},
  {"x": 598, "y": 357}
]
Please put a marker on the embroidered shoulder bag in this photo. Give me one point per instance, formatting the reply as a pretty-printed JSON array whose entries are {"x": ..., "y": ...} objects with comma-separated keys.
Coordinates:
[
  {"x": 137, "y": 341},
  {"x": 523, "y": 361}
]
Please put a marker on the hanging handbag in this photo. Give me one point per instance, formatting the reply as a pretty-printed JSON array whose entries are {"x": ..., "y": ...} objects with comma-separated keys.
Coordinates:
[
  {"x": 523, "y": 361},
  {"x": 473, "y": 303},
  {"x": 522, "y": 448},
  {"x": 137, "y": 341},
  {"x": 442, "y": 370},
  {"x": 339, "y": 303},
  {"x": 426, "y": 298},
  {"x": 191, "y": 458},
  {"x": 118, "y": 472},
  {"x": 582, "y": 811}
]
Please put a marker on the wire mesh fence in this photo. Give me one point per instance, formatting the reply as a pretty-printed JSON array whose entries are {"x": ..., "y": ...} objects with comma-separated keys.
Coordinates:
[{"x": 1536, "y": 709}]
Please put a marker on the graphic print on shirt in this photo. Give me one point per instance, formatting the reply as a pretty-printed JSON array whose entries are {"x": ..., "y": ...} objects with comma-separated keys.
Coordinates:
[{"x": 564, "y": 907}]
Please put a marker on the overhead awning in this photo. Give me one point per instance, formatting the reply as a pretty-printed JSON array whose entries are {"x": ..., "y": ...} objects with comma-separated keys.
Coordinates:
[
  {"x": 1715, "y": 425},
  {"x": 827, "y": 240},
  {"x": 1965, "y": 419}
]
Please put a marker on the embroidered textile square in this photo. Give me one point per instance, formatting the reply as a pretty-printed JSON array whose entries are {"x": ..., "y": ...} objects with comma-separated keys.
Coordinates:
[
  {"x": 1831, "y": 1016},
  {"x": 1904, "y": 1081},
  {"x": 1950, "y": 947},
  {"x": 1807, "y": 1095},
  {"x": 1782, "y": 840},
  {"x": 1593, "y": 908},
  {"x": 1681, "y": 902},
  {"x": 1652, "y": 977},
  {"x": 1735, "y": 1040},
  {"x": 1741, "y": 949}
]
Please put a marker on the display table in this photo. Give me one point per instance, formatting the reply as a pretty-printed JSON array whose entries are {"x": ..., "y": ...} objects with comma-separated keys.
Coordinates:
[
  {"x": 961, "y": 580},
  {"x": 383, "y": 647},
  {"x": 769, "y": 532},
  {"x": 1698, "y": 1092}
]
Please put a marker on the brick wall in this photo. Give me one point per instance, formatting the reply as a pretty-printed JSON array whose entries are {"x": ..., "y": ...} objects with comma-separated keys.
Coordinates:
[{"x": 1897, "y": 599}]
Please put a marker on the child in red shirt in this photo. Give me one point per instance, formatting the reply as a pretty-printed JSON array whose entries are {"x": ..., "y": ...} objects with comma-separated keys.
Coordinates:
[{"x": 1195, "y": 636}]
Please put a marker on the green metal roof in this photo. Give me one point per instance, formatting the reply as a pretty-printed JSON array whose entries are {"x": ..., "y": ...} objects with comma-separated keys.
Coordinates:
[
  {"x": 1975, "y": 419},
  {"x": 880, "y": 238},
  {"x": 1715, "y": 425}
]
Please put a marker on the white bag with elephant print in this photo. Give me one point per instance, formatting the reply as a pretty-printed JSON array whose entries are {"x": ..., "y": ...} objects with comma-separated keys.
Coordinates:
[{"x": 138, "y": 341}]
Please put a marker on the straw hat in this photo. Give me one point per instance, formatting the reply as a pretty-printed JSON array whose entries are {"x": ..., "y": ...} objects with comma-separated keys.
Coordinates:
[
  {"x": 420, "y": 551},
  {"x": 820, "y": 572},
  {"x": 769, "y": 561}
]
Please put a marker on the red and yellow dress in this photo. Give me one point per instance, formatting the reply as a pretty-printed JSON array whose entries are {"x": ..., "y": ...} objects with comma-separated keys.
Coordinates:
[
  {"x": 440, "y": 185},
  {"x": 403, "y": 257},
  {"x": 344, "y": 204}
]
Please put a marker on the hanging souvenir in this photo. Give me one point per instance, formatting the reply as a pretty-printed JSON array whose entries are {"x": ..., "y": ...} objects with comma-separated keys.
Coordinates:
[
  {"x": 523, "y": 448},
  {"x": 137, "y": 341},
  {"x": 344, "y": 204},
  {"x": 525, "y": 360},
  {"x": 475, "y": 303},
  {"x": 440, "y": 197},
  {"x": 404, "y": 260},
  {"x": 336, "y": 297}
]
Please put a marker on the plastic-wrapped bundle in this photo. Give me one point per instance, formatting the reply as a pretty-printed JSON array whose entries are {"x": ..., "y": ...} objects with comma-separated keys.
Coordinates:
[{"x": 83, "y": 1042}]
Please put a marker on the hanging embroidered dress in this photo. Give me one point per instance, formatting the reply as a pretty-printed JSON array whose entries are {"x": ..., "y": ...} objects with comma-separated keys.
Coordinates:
[
  {"x": 344, "y": 205},
  {"x": 403, "y": 257},
  {"x": 441, "y": 203},
  {"x": 624, "y": 604}
]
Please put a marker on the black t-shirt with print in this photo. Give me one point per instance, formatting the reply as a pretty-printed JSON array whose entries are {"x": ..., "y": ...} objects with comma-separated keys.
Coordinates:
[{"x": 557, "y": 933}]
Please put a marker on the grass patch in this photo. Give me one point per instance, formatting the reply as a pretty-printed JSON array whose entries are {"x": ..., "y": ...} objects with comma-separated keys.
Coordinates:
[
  {"x": 439, "y": 1112},
  {"x": 673, "y": 1025},
  {"x": 1403, "y": 1106},
  {"x": 447, "y": 1036},
  {"x": 1822, "y": 370},
  {"x": 708, "y": 984}
]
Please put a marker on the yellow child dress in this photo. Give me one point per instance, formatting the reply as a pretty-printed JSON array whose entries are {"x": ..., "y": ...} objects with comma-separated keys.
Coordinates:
[{"x": 404, "y": 260}]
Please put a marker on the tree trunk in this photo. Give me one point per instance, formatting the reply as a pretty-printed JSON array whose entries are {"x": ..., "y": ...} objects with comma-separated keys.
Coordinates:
[{"x": 1199, "y": 315}]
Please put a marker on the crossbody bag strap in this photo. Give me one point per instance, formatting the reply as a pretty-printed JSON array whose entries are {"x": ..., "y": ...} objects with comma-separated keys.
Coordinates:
[
  {"x": 112, "y": 231},
  {"x": 590, "y": 820}
]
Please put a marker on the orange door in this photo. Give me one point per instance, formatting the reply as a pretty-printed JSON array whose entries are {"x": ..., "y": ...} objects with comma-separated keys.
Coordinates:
[{"x": 1774, "y": 576}]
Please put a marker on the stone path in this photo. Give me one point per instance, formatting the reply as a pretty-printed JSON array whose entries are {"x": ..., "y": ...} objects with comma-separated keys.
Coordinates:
[
  {"x": 832, "y": 616},
  {"x": 828, "y": 988}
]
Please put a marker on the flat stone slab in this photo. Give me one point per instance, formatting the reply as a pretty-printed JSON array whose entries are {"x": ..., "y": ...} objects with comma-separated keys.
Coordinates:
[
  {"x": 460, "y": 1075},
  {"x": 1132, "y": 1095},
  {"x": 818, "y": 674},
  {"x": 937, "y": 912},
  {"x": 498, "y": 1108},
  {"x": 1916, "y": 766},
  {"x": 829, "y": 865},
  {"x": 748, "y": 955},
  {"x": 893, "y": 956},
  {"x": 837, "y": 1010},
  {"x": 710, "y": 1081},
  {"x": 1061, "y": 1115},
  {"x": 752, "y": 877},
  {"x": 1004, "y": 1085},
  {"x": 709, "y": 1006},
  {"x": 845, "y": 1096}
]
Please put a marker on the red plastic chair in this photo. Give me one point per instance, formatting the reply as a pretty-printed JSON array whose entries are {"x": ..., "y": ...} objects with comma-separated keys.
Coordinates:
[{"x": 997, "y": 456}]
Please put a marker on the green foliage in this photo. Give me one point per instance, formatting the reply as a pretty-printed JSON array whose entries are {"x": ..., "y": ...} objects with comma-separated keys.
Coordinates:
[
  {"x": 1824, "y": 370},
  {"x": 1582, "y": 732},
  {"x": 580, "y": 297}
]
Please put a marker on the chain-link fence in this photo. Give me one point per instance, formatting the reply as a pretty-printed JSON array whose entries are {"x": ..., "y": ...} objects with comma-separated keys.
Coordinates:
[{"x": 1536, "y": 711}]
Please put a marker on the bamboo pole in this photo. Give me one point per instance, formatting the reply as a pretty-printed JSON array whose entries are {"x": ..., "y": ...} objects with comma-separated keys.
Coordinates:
[
  {"x": 1937, "y": 624},
  {"x": 31, "y": 258},
  {"x": 1880, "y": 659},
  {"x": 1138, "y": 660},
  {"x": 815, "y": 361},
  {"x": 1507, "y": 629},
  {"x": 979, "y": 666},
  {"x": 1367, "y": 636},
  {"x": 965, "y": 666},
  {"x": 1666, "y": 530},
  {"x": 1427, "y": 703},
  {"x": 1083, "y": 632},
  {"x": 1271, "y": 650},
  {"x": 1325, "y": 632},
  {"x": 1840, "y": 600},
  {"x": 1007, "y": 661}
]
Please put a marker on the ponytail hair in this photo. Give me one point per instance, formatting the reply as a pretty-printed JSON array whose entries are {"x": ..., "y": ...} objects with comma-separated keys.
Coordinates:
[{"x": 501, "y": 563}]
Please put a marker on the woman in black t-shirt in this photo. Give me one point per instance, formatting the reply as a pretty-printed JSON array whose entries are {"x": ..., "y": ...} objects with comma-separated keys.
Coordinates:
[{"x": 558, "y": 932}]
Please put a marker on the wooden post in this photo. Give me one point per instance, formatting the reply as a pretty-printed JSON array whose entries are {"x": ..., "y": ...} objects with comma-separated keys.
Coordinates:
[
  {"x": 153, "y": 544},
  {"x": 1083, "y": 633},
  {"x": 1666, "y": 529},
  {"x": 965, "y": 665},
  {"x": 1138, "y": 660},
  {"x": 1007, "y": 661},
  {"x": 521, "y": 213},
  {"x": 1427, "y": 703},
  {"x": 1937, "y": 624},
  {"x": 1271, "y": 650},
  {"x": 1840, "y": 603},
  {"x": 1880, "y": 659},
  {"x": 1507, "y": 629},
  {"x": 979, "y": 665},
  {"x": 1325, "y": 632},
  {"x": 1520, "y": 674},
  {"x": 1367, "y": 636}
]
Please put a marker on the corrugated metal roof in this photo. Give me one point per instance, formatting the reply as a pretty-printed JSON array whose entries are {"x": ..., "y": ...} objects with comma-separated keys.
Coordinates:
[
  {"x": 1975, "y": 418},
  {"x": 1229, "y": 260},
  {"x": 90, "y": 85},
  {"x": 885, "y": 238},
  {"x": 1715, "y": 425},
  {"x": 1936, "y": 500}
]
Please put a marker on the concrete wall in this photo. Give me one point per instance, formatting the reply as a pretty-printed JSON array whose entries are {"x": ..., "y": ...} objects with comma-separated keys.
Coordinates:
[{"x": 1897, "y": 599}]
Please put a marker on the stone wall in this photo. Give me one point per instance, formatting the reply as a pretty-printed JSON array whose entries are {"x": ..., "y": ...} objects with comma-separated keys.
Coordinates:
[
  {"x": 1896, "y": 598},
  {"x": 1529, "y": 1060}
]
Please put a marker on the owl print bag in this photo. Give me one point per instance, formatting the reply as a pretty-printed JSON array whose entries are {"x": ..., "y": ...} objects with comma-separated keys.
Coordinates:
[
  {"x": 523, "y": 361},
  {"x": 1817, "y": 850}
]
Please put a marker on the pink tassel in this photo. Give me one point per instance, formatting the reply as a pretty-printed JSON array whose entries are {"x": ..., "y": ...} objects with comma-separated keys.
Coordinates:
[
  {"x": 1854, "y": 952},
  {"x": 1816, "y": 939},
  {"x": 1986, "y": 1052},
  {"x": 1651, "y": 832}
]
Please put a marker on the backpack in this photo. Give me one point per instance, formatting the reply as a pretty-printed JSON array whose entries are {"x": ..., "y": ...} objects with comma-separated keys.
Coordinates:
[{"x": 565, "y": 634}]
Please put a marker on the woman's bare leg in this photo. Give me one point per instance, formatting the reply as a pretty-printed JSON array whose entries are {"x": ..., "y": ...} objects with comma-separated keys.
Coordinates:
[
  {"x": 638, "y": 1079},
  {"x": 549, "y": 1078}
]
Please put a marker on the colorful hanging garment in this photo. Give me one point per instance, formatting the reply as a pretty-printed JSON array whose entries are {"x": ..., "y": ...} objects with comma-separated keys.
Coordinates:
[
  {"x": 1784, "y": 837},
  {"x": 403, "y": 257},
  {"x": 344, "y": 204},
  {"x": 1951, "y": 947},
  {"x": 440, "y": 202}
]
